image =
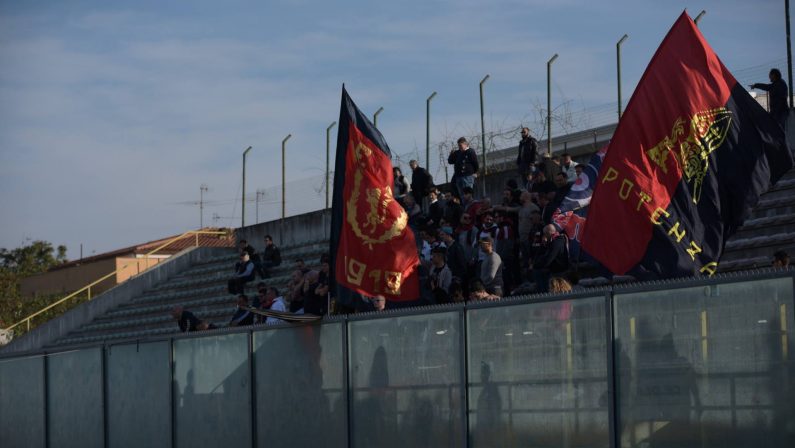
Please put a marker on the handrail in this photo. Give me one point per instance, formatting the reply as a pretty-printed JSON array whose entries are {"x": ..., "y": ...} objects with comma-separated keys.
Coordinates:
[{"x": 87, "y": 288}]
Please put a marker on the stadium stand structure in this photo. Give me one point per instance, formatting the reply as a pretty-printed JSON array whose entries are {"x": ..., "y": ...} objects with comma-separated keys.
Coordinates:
[{"x": 201, "y": 288}]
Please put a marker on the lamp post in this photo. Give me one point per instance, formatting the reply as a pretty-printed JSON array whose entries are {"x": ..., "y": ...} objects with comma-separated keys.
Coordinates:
[
  {"x": 328, "y": 146},
  {"x": 483, "y": 134},
  {"x": 549, "y": 103},
  {"x": 375, "y": 117},
  {"x": 243, "y": 208},
  {"x": 428, "y": 131},
  {"x": 284, "y": 144},
  {"x": 202, "y": 189},
  {"x": 618, "y": 70}
]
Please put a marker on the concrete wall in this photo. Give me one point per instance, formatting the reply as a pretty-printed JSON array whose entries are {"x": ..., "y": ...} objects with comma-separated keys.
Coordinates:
[
  {"x": 86, "y": 312},
  {"x": 128, "y": 267},
  {"x": 291, "y": 231}
]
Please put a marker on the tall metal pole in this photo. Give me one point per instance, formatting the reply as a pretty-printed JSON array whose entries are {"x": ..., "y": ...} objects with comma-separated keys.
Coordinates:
[
  {"x": 618, "y": 71},
  {"x": 483, "y": 135},
  {"x": 328, "y": 146},
  {"x": 699, "y": 16},
  {"x": 284, "y": 143},
  {"x": 375, "y": 117},
  {"x": 789, "y": 54},
  {"x": 549, "y": 103},
  {"x": 243, "y": 207},
  {"x": 202, "y": 189},
  {"x": 260, "y": 195},
  {"x": 428, "y": 131}
]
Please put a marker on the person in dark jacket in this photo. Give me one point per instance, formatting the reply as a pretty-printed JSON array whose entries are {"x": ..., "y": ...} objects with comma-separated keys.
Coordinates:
[
  {"x": 465, "y": 164},
  {"x": 244, "y": 273},
  {"x": 271, "y": 257},
  {"x": 400, "y": 187},
  {"x": 421, "y": 183},
  {"x": 777, "y": 96},
  {"x": 528, "y": 150},
  {"x": 187, "y": 321},
  {"x": 553, "y": 259},
  {"x": 242, "y": 315},
  {"x": 456, "y": 256}
]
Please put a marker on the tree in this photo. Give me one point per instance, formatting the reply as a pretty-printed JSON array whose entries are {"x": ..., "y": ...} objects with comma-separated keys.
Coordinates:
[{"x": 16, "y": 264}]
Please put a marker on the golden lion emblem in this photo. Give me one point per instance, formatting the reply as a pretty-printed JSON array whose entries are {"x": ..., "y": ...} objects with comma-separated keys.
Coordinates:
[{"x": 378, "y": 199}]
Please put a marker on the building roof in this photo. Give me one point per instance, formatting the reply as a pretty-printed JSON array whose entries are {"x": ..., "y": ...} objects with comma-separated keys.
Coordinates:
[{"x": 188, "y": 241}]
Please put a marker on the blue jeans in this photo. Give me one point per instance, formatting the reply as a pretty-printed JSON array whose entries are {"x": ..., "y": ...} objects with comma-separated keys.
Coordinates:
[{"x": 462, "y": 182}]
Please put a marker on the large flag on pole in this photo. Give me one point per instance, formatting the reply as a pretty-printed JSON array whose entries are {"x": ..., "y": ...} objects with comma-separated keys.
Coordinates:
[
  {"x": 689, "y": 159},
  {"x": 372, "y": 248}
]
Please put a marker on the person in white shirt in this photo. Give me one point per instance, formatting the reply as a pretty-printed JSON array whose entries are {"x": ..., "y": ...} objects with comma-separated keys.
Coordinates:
[
  {"x": 278, "y": 305},
  {"x": 567, "y": 167}
]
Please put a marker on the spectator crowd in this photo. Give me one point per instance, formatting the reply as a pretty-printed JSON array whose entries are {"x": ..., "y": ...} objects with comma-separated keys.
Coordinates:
[{"x": 469, "y": 248}]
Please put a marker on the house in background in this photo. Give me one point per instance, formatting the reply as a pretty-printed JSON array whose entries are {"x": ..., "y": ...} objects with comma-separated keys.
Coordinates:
[{"x": 127, "y": 262}]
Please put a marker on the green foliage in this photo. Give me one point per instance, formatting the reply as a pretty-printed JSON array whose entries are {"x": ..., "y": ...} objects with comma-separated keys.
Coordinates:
[{"x": 16, "y": 264}]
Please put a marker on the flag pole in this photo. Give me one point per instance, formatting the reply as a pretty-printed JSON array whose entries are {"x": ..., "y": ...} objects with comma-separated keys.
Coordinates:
[{"x": 789, "y": 54}]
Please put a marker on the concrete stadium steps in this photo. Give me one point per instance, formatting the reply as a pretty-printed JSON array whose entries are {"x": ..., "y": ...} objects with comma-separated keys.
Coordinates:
[
  {"x": 766, "y": 226},
  {"x": 220, "y": 271},
  {"x": 758, "y": 246},
  {"x": 201, "y": 289}
]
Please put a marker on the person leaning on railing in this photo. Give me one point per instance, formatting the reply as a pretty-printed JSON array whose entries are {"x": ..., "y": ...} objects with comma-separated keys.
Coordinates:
[{"x": 188, "y": 322}]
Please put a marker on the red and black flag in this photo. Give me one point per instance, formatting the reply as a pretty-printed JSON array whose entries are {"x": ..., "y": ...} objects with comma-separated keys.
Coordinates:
[
  {"x": 372, "y": 248},
  {"x": 689, "y": 159}
]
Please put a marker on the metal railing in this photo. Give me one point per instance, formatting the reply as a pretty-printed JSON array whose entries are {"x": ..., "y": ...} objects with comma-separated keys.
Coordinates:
[{"x": 87, "y": 289}]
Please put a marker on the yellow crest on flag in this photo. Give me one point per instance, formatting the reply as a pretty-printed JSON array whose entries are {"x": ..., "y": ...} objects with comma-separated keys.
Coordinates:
[{"x": 708, "y": 130}]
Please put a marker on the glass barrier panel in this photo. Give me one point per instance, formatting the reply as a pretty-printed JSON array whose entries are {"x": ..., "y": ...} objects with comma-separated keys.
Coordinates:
[
  {"x": 406, "y": 379},
  {"x": 706, "y": 366},
  {"x": 538, "y": 374},
  {"x": 74, "y": 399},
  {"x": 212, "y": 395},
  {"x": 301, "y": 400},
  {"x": 139, "y": 395},
  {"x": 22, "y": 402}
]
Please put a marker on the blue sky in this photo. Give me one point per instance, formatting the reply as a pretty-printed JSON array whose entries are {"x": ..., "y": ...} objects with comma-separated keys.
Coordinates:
[{"x": 112, "y": 114}]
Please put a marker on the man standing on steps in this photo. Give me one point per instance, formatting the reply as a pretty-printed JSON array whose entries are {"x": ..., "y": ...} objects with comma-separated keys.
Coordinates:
[
  {"x": 528, "y": 150},
  {"x": 777, "y": 96},
  {"x": 465, "y": 166},
  {"x": 421, "y": 183},
  {"x": 271, "y": 257}
]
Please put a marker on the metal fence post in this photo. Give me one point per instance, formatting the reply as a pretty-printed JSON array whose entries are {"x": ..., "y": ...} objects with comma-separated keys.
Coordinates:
[
  {"x": 483, "y": 135},
  {"x": 549, "y": 103}
]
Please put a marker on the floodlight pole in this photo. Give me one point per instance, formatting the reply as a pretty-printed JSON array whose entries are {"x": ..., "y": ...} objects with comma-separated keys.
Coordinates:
[
  {"x": 328, "y": 146},
  {"x": 618, "y": 71},
  {"x": 375, "y": 117},
  {"x": 483, "y": 134},
  {"x": 428, "y": 131},
  {"x": 284, "y": 144},
  {"x": 243, "y": 208},
  {"x": 202, "y": 189},
  {"x": 549, "y": 103}
]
